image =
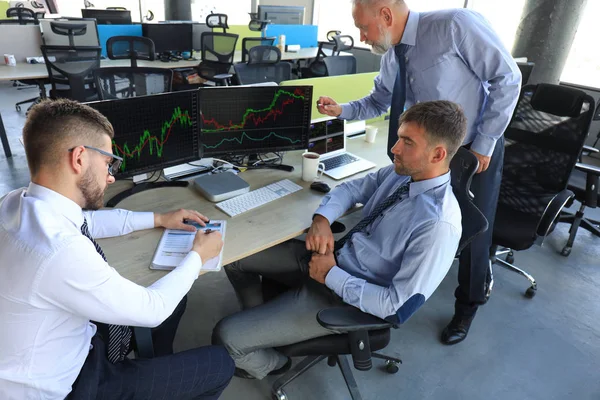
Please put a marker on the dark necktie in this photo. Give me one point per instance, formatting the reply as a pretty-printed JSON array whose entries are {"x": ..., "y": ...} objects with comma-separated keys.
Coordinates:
[
  {"x": 379, "y": 208},
  {"x": 398, "y": 98},
  {"x": 119, "y": 337}
]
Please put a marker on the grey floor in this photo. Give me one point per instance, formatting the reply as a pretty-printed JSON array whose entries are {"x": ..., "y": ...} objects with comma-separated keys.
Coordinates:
[{"x": 544, "y": 348}]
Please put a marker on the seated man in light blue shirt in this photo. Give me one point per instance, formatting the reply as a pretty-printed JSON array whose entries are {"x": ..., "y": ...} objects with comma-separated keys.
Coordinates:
[{"x": 387, "y": 265}]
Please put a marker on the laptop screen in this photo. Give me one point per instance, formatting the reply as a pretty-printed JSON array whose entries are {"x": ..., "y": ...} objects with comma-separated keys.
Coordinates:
[{"x": 326, "y": 136}]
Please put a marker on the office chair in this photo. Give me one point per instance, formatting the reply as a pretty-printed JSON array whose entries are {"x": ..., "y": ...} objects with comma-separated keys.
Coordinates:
[
  {"x": 218, "y": 21},
  {"x": 217, "y": 52},
  {"x": 125, "y": 82},
  {"x": 364, "y": 334},
  {"x": 543, "y": 141},
  {"x": 339, "y": 65},
  {"x": 23, "y": 15},
  {"x": 258, "y": 25},
  {"x": 69, "y": 29},
  {"x": 250, "y": 42},
  {"x": 70, "y": 71},
  {"x": 263, "y": 66},
  {"x": 337, "y": 44},
  {"x": 130, "y": 48}
]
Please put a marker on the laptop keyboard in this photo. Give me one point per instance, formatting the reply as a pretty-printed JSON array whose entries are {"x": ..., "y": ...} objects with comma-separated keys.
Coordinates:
[{"x": 338, "y": 161}]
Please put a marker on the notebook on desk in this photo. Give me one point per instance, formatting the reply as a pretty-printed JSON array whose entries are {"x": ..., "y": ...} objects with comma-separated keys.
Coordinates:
[{"x": 327, "y": 138}]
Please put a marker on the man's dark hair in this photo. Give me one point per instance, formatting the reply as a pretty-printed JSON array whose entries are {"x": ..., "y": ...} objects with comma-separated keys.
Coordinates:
[
  {"x": 54, "y": 125},
  {"x": 443, "y": 121}
]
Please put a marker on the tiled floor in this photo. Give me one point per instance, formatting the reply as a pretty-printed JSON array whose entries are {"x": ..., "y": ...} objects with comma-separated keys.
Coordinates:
[{"x": 546, "y": 348}]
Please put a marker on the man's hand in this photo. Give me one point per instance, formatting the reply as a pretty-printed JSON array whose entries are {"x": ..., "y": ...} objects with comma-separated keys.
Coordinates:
[
  {"x": 319, "y": 238},
  {"x": 174, "y": 220},
  {"x": 208, "y": 245},
  {"x": 484, "y": 161},
  {"x": 328, "y": 106},
  {"x": 320, "y": 265}
]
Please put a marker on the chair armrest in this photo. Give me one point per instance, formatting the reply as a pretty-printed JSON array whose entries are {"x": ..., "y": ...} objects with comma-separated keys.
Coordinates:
[
  {"x": 588, "y": 169},
  {"x": 552, "y": 212},
  {"x": 349, "y": 319},
  {"x": 590, "y": 149},
  {"x": 143, "y": 342}
]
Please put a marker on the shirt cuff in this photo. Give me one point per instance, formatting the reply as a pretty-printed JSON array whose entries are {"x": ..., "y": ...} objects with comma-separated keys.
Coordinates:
[
  {"x": 346, "y": 111},
  {"x": 336, "y": 279},
  {"x": 142, "y": 220},
  {"x": 484, "y": 145},
  {"x": 193, "y": 259}
]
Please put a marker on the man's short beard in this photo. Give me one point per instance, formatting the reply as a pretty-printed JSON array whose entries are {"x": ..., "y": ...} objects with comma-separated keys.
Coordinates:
[
  {"x": 380, "y": 48},
  {"x": 93, "y": 195}
]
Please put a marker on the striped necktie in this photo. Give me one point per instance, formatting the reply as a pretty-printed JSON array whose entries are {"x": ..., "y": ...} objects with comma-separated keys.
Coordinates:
[
  {"x": 119, "y": 337},
  {"x": 379, "y": 208}
]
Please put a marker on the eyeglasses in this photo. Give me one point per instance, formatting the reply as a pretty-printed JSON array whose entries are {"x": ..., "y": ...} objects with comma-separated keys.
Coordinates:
[{"x": 113, "y": 165}]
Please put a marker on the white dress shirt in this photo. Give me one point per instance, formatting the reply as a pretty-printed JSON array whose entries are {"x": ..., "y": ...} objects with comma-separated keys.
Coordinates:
[{"x": 53, "y": 282}]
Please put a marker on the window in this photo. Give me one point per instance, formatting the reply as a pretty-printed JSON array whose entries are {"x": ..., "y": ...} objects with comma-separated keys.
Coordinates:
[
  {"x": 504, "y": 16},
  {"x": 236, "y": 10}
]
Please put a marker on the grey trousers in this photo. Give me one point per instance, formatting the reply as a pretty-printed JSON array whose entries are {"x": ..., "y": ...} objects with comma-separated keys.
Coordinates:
[{"x": 251, "y": 334}]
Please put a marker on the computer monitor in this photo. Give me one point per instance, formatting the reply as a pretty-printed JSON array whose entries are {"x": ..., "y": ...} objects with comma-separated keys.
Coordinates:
[
  {"x": 153, "y": 132},
  {"x": 169, "y": 37},
  {"x": 108, "y": 17},
  {"x": 283, "y": 15},
  {"x": 197, "y": 30},
  {"x": 254, "y": 120}
]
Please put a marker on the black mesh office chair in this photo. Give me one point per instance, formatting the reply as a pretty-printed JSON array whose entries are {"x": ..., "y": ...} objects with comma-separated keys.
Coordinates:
[
  {"x": 130, "y": 48},
  {"x": 23, "y": 15},
  {"x": 364, "y": 334},
  {"x": 543, "y": 141},
  {"x": 258, "y": 25},
  {"x": 339, "y": 65},
  {"x": 217, "y": 21},
  {"x": 250, "y": 42},
  {"x": 125, "y": 82},
  {"x": 70, "y": 71},
  {"x": 218, "y": 50},
  {"x": 263, "y": 66},
  {"x": 333, "y": 47}
]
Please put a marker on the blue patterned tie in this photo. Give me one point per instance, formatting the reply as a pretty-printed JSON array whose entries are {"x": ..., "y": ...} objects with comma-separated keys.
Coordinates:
[
  {"x": 379, "y": 208},
  {"x": 119, "y": 337},
  {"x": 398, "y": 98}
]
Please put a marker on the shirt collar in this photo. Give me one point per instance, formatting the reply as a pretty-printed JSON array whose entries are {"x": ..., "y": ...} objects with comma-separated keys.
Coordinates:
[
  {"x": 61, "y": 204},
  {"x": 409, "y": 36},
  {"x": 416, "y": 188}
]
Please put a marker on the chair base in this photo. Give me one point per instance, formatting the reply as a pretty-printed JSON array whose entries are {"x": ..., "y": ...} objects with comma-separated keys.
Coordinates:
[
  {"x": 277, "y": 392},
  {"x": 531, "y": 291},
  {"x": 577, "y": 220}
]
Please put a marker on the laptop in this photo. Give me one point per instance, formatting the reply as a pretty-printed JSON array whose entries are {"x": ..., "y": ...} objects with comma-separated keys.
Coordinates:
[{"x": 327, "y": 138}]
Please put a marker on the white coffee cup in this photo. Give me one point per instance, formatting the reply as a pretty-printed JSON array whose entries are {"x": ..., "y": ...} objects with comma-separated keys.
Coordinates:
[
  {"x": 311, "y": 167},
  {"x": 9, "y": 59},
  {"x": 371, "y": 132}
]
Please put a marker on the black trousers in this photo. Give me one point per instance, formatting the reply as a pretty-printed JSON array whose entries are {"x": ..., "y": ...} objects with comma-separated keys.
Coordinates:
[
  {"x": 473, "y": 270},
  {"x": 201, "y": 373}
]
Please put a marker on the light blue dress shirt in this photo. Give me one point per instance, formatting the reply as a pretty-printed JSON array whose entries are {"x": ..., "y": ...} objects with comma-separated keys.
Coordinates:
[
  {"x": 392, "y": 266},
  {"x": 453, "y": 55}
]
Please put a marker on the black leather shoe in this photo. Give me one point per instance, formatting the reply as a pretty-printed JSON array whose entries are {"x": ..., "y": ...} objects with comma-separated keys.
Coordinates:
[
  {"x": 457, "y": 330},
  {"x": 240, "y": 373}
]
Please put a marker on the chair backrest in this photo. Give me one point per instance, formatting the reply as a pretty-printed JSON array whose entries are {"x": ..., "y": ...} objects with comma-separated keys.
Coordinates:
[
  {"x": 543, "y": 142},
  {"x": 217, "y": 21},
  {"x": 218, "y": 47},
  {"x": 257, "y": 25},
  {"x": 250, "y": 42},
  {"x": 263, "y": 66},
  {"x": 463, "y": 166},
  {"x": 125, "y": 82},
  {"x": 526, "y": 69},
  {"x": 70, "y": 69},
  {"x": 22, "y": 14},
  {"x": 69, "y": 29},
  {"x": 339, "y": 65},
  {"x": 342, "y": 43},
  {"x": 130, "y": 48}
]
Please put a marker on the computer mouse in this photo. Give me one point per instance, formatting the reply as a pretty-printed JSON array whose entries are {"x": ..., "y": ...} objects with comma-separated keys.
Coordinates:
[{"x": 320, "y": 187}]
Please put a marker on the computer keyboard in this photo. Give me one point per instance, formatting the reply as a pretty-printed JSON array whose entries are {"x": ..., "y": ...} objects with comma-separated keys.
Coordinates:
[
  {"x": 258, "y": 197},
  {"x": 338, "y": 161}
]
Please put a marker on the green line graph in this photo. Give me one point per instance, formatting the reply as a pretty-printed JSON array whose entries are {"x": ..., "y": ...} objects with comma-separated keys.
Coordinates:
[
  {"x": 155, "y": 143},
  {"x": 240, "y": 139}
]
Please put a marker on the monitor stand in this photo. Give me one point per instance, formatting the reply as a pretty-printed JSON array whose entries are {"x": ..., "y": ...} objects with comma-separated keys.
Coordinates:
[{"x": 141, "y": 187}]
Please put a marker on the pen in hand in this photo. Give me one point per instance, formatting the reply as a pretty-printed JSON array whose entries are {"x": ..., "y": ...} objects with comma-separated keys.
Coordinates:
[{"x": 206, "y": 232}]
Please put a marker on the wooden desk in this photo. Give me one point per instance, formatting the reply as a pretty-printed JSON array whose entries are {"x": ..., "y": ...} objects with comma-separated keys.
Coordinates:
[{"x": 247, "y": 233}]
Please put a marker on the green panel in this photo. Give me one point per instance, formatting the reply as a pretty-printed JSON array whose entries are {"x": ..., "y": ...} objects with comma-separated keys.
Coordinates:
[
  {"x": 3, "y": 8},
  {"x": 343, "y": 88},
  {"x": 242, "y": 31}
]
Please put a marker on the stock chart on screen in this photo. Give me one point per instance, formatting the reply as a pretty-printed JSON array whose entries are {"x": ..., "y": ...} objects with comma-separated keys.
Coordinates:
[
  {"x": 248, "y": 120},
  {"x": 153, "y": 132}
]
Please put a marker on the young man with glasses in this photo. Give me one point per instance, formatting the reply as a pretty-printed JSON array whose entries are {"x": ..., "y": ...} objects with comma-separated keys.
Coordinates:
[{"x": 54, "y": 278}]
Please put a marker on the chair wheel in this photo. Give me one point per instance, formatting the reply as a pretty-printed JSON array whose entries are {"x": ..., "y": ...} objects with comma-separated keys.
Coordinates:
[
  {"x": 279, "y": 395},
  {"x": 530, "y": 292},
  {"x": 391, "y": 367},
  {"x": 18, "y": 107},
  {"x": 565, "y": 251},
  {"x": 510, "y": 258}
]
